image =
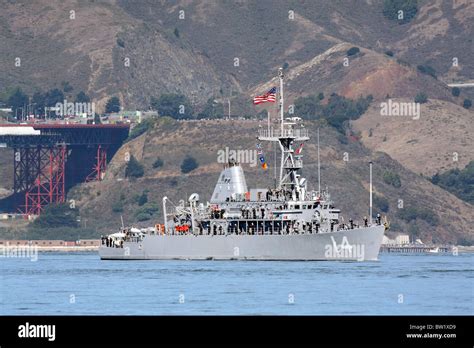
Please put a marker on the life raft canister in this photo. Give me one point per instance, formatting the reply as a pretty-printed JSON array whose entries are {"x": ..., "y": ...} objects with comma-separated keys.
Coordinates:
[{"x": 182, "y": 228}]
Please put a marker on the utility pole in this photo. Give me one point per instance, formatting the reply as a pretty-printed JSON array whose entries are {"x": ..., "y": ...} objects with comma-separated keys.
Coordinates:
[
  {"x": 370, "y": 189},
  {"x": 319, "y": 170}
]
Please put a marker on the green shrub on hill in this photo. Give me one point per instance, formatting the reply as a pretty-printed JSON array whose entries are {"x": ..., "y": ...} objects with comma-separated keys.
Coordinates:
[
  {"x": 189, "y": 164},
  {"x": 421, "y": 98},
  {"x": 134, "y": 169},
  {"x": 142, "y": 199},
  {"x": 212, "y": 110},
  {"x": 176, "y": 106},
  {"x": 340, "y": 110},
  {"x": 459, "y": 182},
  {"x": 392, "y": 8},
  {"x": 392, "y": 178},
  {"x": 308, "y": 107},
  {"x": 146, "y": 212},
  {"x": 410, "y": 214},
  {"x": 141, "y": 128},
  {"x": 158, "y": 163},
  {"x": 456, "y": 91},
  {"x": 57, "y": 215},
  {"x": 428, "y": 70},
  {"x": 113, "y": 105},
  {"x": 337, "y": 112},
  {"x": 117, "y": 207},
  {"x": 381, "y": 203},
  {"x": 352, "y": 51}
]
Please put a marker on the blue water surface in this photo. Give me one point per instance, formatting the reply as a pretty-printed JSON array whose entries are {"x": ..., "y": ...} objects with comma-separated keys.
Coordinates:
[{"x": 82, "y": 284}]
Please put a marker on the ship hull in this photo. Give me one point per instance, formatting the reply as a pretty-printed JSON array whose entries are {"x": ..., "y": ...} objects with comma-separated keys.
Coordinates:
[{"x": 360, "y": 244}]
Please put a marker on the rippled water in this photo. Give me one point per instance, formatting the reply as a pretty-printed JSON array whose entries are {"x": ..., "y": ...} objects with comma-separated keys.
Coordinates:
[{"x": 80, "y": 283}]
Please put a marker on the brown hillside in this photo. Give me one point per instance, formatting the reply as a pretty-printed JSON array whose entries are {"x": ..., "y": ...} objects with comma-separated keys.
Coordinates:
[
  {"x": 196, "y": 55},
  {"x": 426, "y": 145},
  {"x": 368, "y": 72}
]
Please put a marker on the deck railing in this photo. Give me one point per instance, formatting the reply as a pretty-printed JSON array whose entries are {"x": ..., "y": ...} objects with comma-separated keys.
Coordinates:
[{"x": 286, "y": 133}]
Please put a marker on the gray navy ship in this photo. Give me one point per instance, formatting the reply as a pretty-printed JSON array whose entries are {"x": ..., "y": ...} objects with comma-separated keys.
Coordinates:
[{"x": 287, "y": 222}]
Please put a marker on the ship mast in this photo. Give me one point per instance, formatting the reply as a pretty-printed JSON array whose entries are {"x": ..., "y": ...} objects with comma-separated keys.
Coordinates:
[
  {"x": 282, "y": 116},
  {"x": 287, "y": 136}
]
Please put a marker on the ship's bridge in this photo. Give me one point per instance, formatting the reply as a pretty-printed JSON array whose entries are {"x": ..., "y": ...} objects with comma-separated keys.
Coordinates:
[{"x": 272, "y": 134}]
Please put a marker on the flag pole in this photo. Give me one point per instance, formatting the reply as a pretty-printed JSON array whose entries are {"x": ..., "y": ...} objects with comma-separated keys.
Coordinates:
[
  {"x": 370, "y": 189},
  {"x": 268, "y": 122},
  {"x": 319, "y": 170},
  {"x": 280, "y": 74}
]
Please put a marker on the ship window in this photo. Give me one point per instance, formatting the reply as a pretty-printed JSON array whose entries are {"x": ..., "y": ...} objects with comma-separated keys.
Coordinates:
[
  {"x": 297, "y": 206},
  {"x": 304, "y": 206}
]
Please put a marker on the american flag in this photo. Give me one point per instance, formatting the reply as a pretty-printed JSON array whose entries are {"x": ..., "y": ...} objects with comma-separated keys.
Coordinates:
[{"x": 270, "y": 96}]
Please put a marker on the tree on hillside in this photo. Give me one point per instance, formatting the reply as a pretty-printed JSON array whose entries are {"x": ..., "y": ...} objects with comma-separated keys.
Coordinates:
[
  {"x": 412, "y": 213},
  {"x": 212, "y": 110},
  {"x": 18, "y": 101},
  {"x": 158, "y": 163},
  {"x": 402, "y": 11},
  {"x": 381, "y": 203},
  {"x": 54, "y": 96},
  {"x": 146, "y": 212},
  {"x": 81, "y": 97},
  {"x": 143, "y": 198},
  {"x": 456, "y": 91},
  {"x": 57, "y": 215},
  {"x": 189, "y": 164},
  {"x": 39, "y": 102},
  {"x": 66, "y": 87},
  {"x": 141, "y": 128},
  {"x": 467, "y": 103},
  {"x": 428, "y": 70},
  {"x": 113, "y": 105},
  {"x": 308, "y": 107},
  {"x": 176, "y": 106},
  {"x": 134, "y": 169},
  {"x": 392, "y": 178},
  {"x": 458, "y": 182},
  {"x": 353, "y": 51},
  {"x": 340, "y": 110},
  {"x": 421, "y": 98}
]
